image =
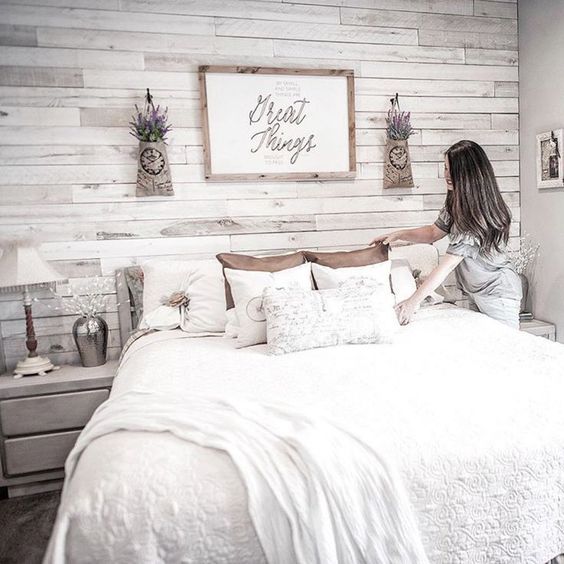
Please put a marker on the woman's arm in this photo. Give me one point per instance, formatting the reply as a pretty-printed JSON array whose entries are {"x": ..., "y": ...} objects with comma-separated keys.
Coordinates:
[
  {"x": 425, "y": 234},
  {"x": 406, "y": 308}
]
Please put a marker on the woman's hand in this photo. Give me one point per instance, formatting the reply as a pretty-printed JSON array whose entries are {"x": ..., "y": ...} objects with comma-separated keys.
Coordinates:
[
  {"x": 387, "y": 239},
  {"x": 406, "y": 309}
]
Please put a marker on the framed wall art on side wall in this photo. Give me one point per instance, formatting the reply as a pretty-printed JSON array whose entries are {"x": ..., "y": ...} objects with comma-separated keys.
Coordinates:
[
  {"x": 550, "y": 170},
  {"x": 277, "y": 124}
]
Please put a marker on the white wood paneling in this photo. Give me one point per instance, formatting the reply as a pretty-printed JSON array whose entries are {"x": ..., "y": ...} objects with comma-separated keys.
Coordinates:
[{"x": 72, "y": 70}]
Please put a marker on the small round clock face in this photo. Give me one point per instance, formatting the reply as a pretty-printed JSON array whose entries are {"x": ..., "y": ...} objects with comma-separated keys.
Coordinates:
[
  {"x": 152, "y": 161},
  {"x": 398, "y": 157},
  {"x": 254, "y": 309}
]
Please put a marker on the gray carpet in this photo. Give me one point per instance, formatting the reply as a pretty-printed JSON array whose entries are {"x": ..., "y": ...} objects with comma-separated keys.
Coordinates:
[{"x": 25, "y": 527}]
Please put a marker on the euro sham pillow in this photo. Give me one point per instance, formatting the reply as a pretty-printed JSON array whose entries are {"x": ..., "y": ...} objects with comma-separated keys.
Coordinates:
[
  {"x": 201, "y": 282},
  {"x": 247, "y": 288},
  {"x": 340, "y": 259},
  {"x": 326, "y": 277},
  {"x": 359, "y": 311}
]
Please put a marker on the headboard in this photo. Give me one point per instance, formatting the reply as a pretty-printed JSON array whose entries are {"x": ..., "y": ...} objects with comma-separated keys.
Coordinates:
[{"x": 129, "y": 290}]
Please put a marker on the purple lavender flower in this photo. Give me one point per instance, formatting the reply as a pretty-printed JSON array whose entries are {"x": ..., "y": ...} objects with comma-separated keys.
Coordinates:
[
  {"x": 398, "y": 125},
  {"x": 150, "y": 124}
]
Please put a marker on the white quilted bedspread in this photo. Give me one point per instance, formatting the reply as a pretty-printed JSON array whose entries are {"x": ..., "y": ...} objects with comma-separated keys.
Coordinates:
[{"x": 469, "y": 410}]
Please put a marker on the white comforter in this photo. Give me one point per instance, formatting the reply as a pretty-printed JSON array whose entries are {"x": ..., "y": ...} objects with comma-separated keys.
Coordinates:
[{"x": 469, "y": 410}]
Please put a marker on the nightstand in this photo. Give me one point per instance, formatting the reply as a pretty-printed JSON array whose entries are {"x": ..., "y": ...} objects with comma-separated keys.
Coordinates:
[
  {"x": 40, "y": 420},
  {"x": 540, "y": 328}
]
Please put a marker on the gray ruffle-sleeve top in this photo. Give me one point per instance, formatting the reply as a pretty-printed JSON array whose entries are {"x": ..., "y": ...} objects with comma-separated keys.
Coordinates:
[{"x": 480, "y": 272}]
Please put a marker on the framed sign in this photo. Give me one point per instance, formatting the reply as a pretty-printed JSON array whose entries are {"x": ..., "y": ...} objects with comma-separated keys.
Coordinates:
[
  {"x": 270, "y": 123},
  {"x": 549, "y": 159}
]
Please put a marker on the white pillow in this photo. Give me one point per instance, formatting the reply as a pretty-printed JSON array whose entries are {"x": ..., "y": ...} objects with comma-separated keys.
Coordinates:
[
  {"x": 326, "y": 277},
  {"x": 201, "y": 280},
  {"x": 403, "y": 282},
  {"x": 360, "y": 310},
  {"x": 247, "y": 287}
]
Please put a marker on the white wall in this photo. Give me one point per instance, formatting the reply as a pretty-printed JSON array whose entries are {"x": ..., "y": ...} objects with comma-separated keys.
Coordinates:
[
  {"x": 541, "y": 89},
  {"x": 69, "y": 79}
]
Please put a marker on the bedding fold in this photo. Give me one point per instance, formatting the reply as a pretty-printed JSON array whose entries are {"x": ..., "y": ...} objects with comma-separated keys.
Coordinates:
[{"x": 317, "y": 493}]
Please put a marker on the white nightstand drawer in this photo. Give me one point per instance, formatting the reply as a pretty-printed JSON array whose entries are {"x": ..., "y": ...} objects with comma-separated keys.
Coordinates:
[
  {"x": 39, "y": 453},
  {"x": 57, "y": 412}
]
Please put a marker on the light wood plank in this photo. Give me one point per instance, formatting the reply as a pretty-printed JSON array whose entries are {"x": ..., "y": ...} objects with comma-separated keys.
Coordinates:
[
  {"x": 98, "y": 4},
  {"x": 79, "y": 154},
  {"x": 485, "y": 137},
  {"x": 38, "y": 76},
  {"x": 106, "y": 20},
  {"x": 56, "y": 194},
  {"x": 507, "y": 89},
  {"x": 463, "y": 7},
  {"x": 426, "y": 21},
  {"x": 120, "y": 117},
  {"x": 141, "y": 79},
  {"x": 150, "y": 229},
  {"x": 14, "y": 116},
  {"x": 491, "y": 57},
  {"x": 89, "y": 136},
  {"x": 495, "y": 9},
  {"x": 151, "y": 42},
  {"x": 128, "y": 211},
  {"x": 17, "y": 35},
  {"x": 128, "y": 248},
  {"x": 472, "y": 40},
  {"x": 75, "y": 58},
  {"x": 437, "y": 71},
  {"x": 414, "y": 87},
  {"x": 314, "y": 31},
  {"x": 238, "y": 8},
  {"x": 440, "y": 104},
  {"x": 367, "y": 52},
  {"x": 505, "y": 121}
]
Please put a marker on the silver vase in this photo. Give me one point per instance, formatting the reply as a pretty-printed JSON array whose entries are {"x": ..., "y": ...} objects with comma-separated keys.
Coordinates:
[
  {"x": 525, "y": 288},
  {"x": 91, "y": 338}
]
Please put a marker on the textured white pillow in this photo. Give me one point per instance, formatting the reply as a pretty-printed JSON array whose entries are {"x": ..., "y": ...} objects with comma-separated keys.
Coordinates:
[
  {"x": 403, "y": 282},
  {"x": 247, "y": 287},
  {"x": 326, "y": 277},
  {"x": 201, "y": 280},
  {"x": 359, "y": 311}
]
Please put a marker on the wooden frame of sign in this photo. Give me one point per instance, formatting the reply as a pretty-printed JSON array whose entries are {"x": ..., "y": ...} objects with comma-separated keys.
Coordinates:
[{"x": 301, "y": 123}]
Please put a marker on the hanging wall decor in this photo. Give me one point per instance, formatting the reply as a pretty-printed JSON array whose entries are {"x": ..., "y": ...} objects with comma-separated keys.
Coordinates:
[
  {"x": 397, "y": 164},
  {"x": 274, "y": 123},
  {"x": 550, "y": 164},
  {"x": 151, "y": 127}
]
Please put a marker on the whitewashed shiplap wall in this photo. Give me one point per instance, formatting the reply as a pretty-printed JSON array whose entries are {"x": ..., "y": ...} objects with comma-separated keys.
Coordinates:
[{"x": 71, "y": 70}]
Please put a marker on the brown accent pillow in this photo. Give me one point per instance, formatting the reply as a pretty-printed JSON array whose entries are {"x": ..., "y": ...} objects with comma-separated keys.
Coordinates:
[
  {"x": 274, "y": 263},
  {"x": 340, "y": 259}
]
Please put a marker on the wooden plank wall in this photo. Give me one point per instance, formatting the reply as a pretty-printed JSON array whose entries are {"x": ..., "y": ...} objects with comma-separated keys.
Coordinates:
[{"x": 71, "y": 70}]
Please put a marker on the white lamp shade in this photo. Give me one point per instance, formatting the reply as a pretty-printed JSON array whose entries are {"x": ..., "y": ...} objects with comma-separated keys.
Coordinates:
[{"x": 22, "y": 265}]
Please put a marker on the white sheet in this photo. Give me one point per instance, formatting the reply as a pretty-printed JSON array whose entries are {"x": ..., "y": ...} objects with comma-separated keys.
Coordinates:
[{"x": 469, "y": 410}]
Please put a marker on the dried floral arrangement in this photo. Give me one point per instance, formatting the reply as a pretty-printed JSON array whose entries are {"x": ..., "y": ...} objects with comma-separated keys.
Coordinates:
[
  {"x": 525, "y": 256},
  {"x": 151, "y": 123},
  {"x": 398, "y": 124},
  {"x": 88, "y": 299}
]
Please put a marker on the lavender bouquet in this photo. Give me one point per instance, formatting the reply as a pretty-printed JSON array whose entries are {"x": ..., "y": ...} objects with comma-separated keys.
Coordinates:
[
  {"x": 398, "y": 125},
  {"x": 150, "y": 124}
]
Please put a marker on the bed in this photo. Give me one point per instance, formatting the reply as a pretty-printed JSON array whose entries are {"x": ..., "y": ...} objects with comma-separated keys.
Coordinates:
[{"x": 468, "y": 410}]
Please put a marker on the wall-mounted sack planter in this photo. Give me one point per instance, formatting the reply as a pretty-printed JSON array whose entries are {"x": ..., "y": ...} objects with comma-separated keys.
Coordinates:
[
  {"x": 397, "y": 163},
  {"x": 153, "y": 171}
]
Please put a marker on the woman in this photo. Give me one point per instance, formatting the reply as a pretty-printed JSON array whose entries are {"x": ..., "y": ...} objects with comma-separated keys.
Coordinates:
[{"x": 477, "y": 221}]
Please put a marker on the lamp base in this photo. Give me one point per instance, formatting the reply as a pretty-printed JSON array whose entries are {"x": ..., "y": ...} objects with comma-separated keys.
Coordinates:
[{"x": 34, "y": 365}]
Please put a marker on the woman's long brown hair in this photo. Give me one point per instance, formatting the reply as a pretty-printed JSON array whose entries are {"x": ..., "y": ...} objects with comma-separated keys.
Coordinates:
[{"x": 475, "y": 203}]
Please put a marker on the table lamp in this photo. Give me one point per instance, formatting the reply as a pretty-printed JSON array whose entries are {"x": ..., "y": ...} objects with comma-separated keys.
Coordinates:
[{"x": 22, "y": 268}]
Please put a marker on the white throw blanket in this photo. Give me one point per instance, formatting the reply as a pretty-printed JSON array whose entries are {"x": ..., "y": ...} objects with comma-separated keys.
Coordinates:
[{"x": 316, "y": 493}]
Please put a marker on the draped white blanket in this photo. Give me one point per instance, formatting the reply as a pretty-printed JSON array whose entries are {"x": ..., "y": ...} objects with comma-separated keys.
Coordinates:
[{"x": 317, "y": 494}]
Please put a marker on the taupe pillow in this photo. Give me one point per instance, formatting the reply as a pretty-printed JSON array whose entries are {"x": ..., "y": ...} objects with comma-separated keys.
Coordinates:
[
  {"x": 274, "y": 263},
  {"x": 340, "y": 259}
]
